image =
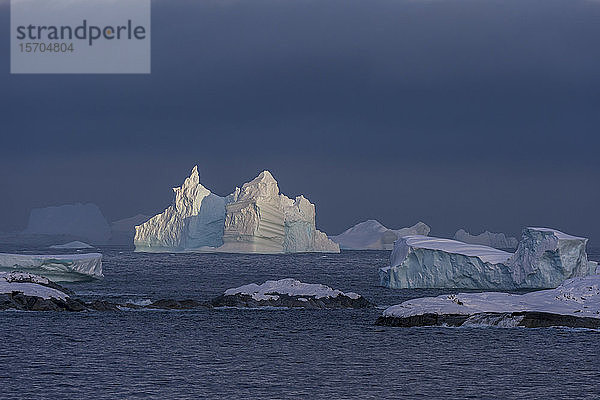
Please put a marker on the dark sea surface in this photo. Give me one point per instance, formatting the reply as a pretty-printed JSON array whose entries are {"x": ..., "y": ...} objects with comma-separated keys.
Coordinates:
[{"x": 270, "y": 354}]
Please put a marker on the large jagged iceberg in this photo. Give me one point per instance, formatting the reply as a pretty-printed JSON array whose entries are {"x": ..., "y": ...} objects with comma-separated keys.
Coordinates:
[
  {"x": 77, "y": 221},
  {"x": 255, "y": 218},
  {"x": 544, "y": 258},
  {"x": 497, "y": 240},
  {"x": 194, "y": 220},
  {"x": 372, "y": 235},
  {"x": 58, "y": 268}
]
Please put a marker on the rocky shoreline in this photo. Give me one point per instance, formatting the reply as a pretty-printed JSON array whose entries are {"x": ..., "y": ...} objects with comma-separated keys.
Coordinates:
[
  {"x": 285, "y": 300},
  {"x": 526, "y": 319}
]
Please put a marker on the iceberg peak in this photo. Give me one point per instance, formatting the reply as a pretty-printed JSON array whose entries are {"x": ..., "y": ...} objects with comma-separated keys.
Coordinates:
[{"x": 264, "y": 185}]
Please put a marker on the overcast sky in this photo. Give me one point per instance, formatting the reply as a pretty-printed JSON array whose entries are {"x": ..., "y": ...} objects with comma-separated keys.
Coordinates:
[{"x": 463, "y": 114}]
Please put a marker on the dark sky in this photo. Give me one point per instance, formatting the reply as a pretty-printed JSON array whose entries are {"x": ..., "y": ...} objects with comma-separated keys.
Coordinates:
[{"x": 475, "y": 114}]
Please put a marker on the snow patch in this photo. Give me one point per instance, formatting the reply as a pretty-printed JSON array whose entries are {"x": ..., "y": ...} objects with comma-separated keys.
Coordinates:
[
  {"x": 578, "y": 296},
  {"x": 290, "y": 287},
  {"x": 29, "y": 285}
]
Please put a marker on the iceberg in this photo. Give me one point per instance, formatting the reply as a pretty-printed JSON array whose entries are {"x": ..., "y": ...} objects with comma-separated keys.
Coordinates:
[
  {"x": 260, "y": 220},
  {"x": 76, "y": 245},
  {"x": 123, "y": 230},
  {"x": 58, "y": 268},
  {"x": 372, "y": 235},
  {"x": 289, "y": 292},
  {"x": 78, "y": 221},
  {"x": 575, "y": 303},
  {"x": 255, "y": 218},
  {"x": 497, "y": 240},
  {"x": 194, "y": 220},
  {"x": 544, "y": 258}
]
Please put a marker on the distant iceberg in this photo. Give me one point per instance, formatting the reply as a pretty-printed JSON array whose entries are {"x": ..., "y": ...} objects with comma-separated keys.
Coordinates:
[
  {"x": 544, "y": 258},
  {"x": 123, "y": 230},
  {"x": 78, "y": 221},
  {"x": 58, "y": 268},
  {"x": 372, "y": 235},
  {"x": 76, "y": 245},
  {"x": 497, "y": 240},
  {"x": 255, "y": 218}
]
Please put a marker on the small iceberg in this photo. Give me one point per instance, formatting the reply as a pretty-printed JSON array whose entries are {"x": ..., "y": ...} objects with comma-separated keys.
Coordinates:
[
  {"x": 76, "y": 245},
  {"x": 58, "y": 268}
]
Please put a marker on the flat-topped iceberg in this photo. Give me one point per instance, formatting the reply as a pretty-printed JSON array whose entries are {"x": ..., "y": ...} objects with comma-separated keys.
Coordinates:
[
  {"x": 372, "y": 235},
  {"x": 255, "y": 218},
  {"x": 574, "y": 303},
  {"x": 544, "y": 258},
  {"x": 289, "y": 292},
  {"x": 78, "y": 221},
  {"x": 497, "y": 240},
  {"x": 75, "y": 245},
  {"x": 58, "y": 268}
]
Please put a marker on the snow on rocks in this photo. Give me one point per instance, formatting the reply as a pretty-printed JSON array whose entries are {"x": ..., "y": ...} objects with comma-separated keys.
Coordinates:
[
  {"x": 543, "y": 259},
  {"x": 575, "y": 303},
  {"x": 59, "y": 268},
  {"x": 372, "y": 235},
  {"x": 289, "y": 292}
]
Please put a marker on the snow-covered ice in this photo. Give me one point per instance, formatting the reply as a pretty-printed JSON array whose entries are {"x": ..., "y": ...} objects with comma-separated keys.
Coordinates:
[
  {"x": 497, "y": 240},
  {"x": 80, "y": 221},
  {"x": 290, "y": 287},
  {"x": 72, "y": 245},
  {"x": 58, "y": 268},
  {"x": 29, "y": 285},
  {"x": 372, "y": 235},
  {"x": 544, "y": 258},
  {"x": 255, "y": 218},
  {"x": 578, "y": 296}
]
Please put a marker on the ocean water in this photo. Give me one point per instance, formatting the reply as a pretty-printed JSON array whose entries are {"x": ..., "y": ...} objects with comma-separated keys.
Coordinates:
[{"x": 313, "y": 354}]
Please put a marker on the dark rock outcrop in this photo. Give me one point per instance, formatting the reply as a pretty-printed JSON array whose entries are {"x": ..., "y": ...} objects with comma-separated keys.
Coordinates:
[
  {"x": 527, "y": 319},
  {"x": 284, "y": 300},
  {"x": 169, "y": 304}
]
